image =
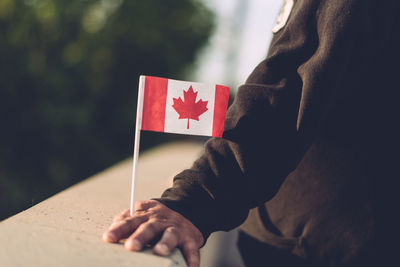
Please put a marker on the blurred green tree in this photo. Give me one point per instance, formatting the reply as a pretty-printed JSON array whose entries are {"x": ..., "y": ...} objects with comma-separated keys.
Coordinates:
[{"x": 68, "y": 83}]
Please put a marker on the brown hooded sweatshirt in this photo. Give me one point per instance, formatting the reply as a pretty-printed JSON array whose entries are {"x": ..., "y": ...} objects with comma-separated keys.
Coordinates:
[{"x": 310, "y": 145}]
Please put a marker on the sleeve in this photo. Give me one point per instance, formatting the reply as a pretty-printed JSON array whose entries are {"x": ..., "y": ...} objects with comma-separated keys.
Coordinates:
[{"x": 273, "y": 119}]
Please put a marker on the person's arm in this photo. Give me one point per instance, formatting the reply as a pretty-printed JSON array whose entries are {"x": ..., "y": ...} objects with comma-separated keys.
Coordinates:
[
  {"x": 274, "y": 117},
  {"x": 269, "y": 126}
]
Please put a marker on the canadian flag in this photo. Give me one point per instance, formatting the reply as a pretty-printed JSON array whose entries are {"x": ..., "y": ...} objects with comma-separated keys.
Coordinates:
[{"x": 166, "y": 105}]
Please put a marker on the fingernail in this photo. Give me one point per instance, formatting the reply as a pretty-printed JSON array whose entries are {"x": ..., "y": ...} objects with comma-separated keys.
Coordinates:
[
  {"x": 109, "y": 237},
  {"x": 133, "y": 244},
  {"x": 162, "y": 249}
]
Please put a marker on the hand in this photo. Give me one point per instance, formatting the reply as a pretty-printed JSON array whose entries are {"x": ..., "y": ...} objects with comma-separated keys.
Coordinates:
[{"x": 151, "y": 220}]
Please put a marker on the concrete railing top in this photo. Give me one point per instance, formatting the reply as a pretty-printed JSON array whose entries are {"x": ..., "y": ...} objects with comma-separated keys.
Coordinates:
[{"x": 66, "y": 229}]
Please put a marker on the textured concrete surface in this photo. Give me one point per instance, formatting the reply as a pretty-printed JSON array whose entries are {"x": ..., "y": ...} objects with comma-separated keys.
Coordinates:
[{"x": 66, "y": 229}]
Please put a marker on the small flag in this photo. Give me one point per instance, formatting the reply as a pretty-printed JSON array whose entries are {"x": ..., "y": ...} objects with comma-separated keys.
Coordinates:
[
  {"x": 183, "y": 107},
  {"x": 166, "y": 105}
]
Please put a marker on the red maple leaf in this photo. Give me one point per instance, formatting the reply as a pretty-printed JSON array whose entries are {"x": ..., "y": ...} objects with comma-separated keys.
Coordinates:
[{"x": 189, "y": 108}]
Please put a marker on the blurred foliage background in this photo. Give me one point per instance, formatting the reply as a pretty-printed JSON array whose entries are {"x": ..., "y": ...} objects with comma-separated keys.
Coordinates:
[{"x": 69, "y": 73}]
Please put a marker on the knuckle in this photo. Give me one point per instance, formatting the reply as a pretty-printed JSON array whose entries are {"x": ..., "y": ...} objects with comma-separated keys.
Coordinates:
[
  {"x": 132, "y": 222},
  {"x": 152, "y": 225},
  {"x": 125, "y": 212},
  {"x": 140, "y": 204},
  {"x": 173, "y": 216},
  {"x": 191, "y": 245},
  {"x": 172, "y": 230},
  {"x": 161, "y": 219},
  {"x": 198, "y": 238},
  {"x": 146, "y": 206}
]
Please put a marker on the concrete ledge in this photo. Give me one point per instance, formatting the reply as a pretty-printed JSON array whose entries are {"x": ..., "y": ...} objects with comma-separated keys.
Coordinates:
[{"x": 66, "y": 229}]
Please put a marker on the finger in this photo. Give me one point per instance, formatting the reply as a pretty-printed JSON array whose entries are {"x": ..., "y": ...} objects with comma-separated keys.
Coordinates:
[
  {"x": 145, "y": 233},
  {"x": 191, "y": 253},
  {"x": 122, "y": 229},
  {"x": 121, "y": 216},
  {"x": 168, "y": 242},
  {"x": 144, "y": 205}
]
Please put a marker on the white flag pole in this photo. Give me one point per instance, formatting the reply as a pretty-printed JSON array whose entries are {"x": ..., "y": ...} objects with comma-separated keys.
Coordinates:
[{"x": 137, "y": 140}]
